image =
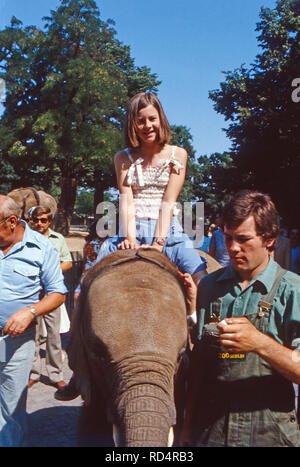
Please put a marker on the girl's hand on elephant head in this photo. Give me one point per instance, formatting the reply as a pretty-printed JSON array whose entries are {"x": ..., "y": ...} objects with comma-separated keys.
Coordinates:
[{"x": 128, "y": 244}]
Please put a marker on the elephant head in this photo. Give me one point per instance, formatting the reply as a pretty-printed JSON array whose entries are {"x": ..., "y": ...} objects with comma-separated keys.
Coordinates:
[
  {"x": 29, "y": 197},
  {"x": 127, "y": 335}
]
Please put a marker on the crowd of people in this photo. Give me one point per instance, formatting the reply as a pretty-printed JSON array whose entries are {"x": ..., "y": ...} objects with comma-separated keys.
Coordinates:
[{"x": 246, "y": 314}]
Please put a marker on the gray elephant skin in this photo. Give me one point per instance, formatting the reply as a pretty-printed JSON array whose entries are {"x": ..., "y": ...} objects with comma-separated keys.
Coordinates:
[{"x": 128, "y": 334}]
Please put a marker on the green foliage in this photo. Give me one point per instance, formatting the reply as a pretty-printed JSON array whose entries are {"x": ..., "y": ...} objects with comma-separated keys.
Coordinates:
[
  {"x": 208, "y": 178},
  {"x": 264, "y": 121},
  {"x": 84, "y": 205},
  {"x": 181, "y": 136},
  {"x": 214, "y": 178},
  {"x": 67, "y": 90}
]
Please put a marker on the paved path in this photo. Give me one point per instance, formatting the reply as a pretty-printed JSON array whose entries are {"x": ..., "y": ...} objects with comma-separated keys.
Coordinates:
[{"x": 52, "y": 422}]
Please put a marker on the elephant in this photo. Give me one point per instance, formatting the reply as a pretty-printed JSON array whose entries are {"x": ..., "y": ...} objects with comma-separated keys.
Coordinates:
[
  {"x": 29, "y": 197},
  {"x": 128, "y": 335},
  {"x": 127, "y": 348}
]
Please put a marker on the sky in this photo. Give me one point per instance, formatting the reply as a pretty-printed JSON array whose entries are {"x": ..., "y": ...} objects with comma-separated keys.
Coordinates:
[{"x": 187, "y": 43}]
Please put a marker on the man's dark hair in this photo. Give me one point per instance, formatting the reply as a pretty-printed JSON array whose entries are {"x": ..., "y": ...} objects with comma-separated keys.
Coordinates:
[
  {"x": 248, "y": 203},
  {"x": 39, "y": 210}
]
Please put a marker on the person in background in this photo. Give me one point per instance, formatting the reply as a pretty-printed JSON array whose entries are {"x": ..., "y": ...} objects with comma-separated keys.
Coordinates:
[
  {"x": 204, "y": 243},
  {"x": 92, "y": 245},
  {"x": 282, "y": 251},
  {"x": 211, "y": 228},
  {"x": 297, "y": 264},
  {"x": 295, "y": 248},
  {"x": 40, "y": 220},
  {"x": 28, "y": 262},
  {"x": 217, "y": 247}
]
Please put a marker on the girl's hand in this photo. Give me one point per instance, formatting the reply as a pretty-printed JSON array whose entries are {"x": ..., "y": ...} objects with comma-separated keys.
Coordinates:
[{"x": 128, "y": 244}]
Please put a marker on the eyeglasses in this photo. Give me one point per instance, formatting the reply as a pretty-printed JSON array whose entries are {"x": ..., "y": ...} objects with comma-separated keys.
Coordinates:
[
  {"x": 5, "y": 219},
  {"x": 43, "y": 220}
]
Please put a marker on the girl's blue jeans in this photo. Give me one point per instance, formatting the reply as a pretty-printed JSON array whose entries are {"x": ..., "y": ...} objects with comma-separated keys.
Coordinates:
[{"x": 178, "y": 247}]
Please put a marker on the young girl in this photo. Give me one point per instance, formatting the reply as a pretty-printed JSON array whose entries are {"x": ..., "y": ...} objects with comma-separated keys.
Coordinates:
[{"x": 150, "y": 175}]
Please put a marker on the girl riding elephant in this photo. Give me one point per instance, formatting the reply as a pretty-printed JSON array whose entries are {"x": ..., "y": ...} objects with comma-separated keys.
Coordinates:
[{"x": 150, "y": 175}]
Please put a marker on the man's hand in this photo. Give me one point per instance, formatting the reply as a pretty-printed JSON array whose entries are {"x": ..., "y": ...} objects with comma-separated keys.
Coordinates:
[
  {"x": 18, "y": 322},
  {"x": 191, "y": 291},
  {"x": 239, "y": 335}
]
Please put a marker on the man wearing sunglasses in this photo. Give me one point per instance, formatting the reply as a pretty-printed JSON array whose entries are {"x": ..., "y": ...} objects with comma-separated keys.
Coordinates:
[
  {"x": 28, "y": 262},
  {"x": 40, "y": 220}
]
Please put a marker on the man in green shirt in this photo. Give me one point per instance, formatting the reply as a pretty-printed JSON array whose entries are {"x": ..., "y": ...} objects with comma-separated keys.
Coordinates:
[
  {"x": 246, "y": 355},
  {"x": 40, "y": 220}
]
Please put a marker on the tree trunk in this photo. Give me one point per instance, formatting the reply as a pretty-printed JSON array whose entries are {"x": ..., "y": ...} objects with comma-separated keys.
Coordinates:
[
  {"x": 65, "y": 207},
  {"x": 99, "y": 195}
]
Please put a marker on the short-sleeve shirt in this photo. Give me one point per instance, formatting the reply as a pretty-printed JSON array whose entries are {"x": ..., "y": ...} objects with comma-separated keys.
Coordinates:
[
  {"x": 60, "y": 244},
  {"x": 225, "y": 284},
  {"x": 28, "y": 266}
]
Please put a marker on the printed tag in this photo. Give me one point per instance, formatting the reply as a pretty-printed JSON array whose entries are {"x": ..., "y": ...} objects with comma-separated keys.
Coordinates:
[{"x": 233, "y": 356}]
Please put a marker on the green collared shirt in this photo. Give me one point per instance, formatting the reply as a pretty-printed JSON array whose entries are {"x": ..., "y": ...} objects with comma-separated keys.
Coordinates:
[
  {"x": 60, "y": 244},
  {"x": 225, "y": 286}
]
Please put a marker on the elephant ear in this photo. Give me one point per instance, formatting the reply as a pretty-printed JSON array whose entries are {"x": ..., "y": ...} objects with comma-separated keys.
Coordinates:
[
  {"x": 77, "y": 356},
  {"x": 29, "y": 197},
  {"x": 25, "y": 198},
  {"x": 48, "y": 201},
  {"x": 211, "y": 263}
]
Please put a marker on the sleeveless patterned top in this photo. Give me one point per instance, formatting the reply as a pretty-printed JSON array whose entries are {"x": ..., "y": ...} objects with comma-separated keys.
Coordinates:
[{"x": 149, "y": 184}]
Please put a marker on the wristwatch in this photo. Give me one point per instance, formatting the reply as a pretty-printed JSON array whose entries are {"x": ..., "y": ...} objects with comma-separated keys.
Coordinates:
[
  {"x": 159, "y": 240},
  {"x": 32, "y": 310}
]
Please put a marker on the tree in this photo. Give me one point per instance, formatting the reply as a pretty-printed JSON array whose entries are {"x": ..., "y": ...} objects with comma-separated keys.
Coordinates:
[
  {"x": 84, "y": 205},
  {"x": 212, "y": 185},
  {"x": 264, "y": 119},
  {"x": 67, "y": 90},
  {"x": 181, "y": 136}
]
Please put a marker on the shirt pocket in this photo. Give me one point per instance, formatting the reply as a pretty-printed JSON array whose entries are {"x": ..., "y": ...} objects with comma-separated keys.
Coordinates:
[{"x": 21, "y": 277}]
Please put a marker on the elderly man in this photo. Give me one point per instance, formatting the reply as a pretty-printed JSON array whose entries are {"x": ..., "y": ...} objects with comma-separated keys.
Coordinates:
[
  {"x": 28, "y": 261},
  {"x": 246, "y": 356}
]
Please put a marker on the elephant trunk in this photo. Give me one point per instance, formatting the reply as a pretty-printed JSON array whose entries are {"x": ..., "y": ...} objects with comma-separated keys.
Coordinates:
[
  {"x": 145, "y": 418},
  {"x": 145, "y": 407}
]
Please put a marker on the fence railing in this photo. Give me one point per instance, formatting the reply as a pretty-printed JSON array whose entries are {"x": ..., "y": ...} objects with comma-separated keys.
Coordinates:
[{"x": 72, "y": 278}]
